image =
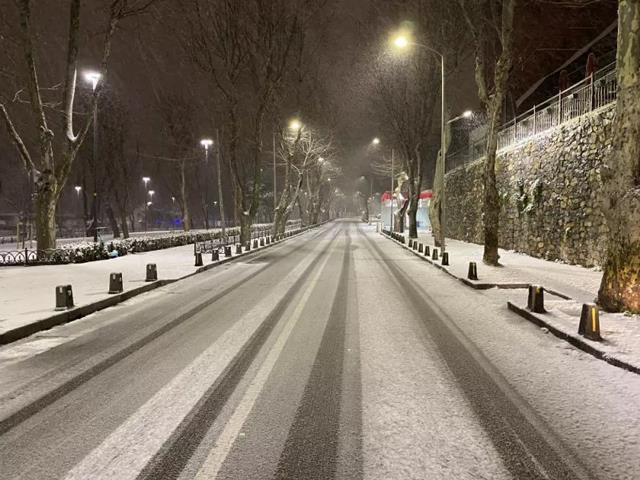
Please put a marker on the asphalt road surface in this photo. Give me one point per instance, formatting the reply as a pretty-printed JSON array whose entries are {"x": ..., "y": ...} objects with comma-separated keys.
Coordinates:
[{"x": 320, "y": 358}]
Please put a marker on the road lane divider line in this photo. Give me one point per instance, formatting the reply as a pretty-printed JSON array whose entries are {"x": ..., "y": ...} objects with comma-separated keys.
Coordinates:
[
  {"x": 214, "y": 461},
  {"x": 127, "y": 451}
]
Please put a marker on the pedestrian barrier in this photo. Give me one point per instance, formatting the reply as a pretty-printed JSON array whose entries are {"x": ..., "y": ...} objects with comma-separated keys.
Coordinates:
[
  {"x": 152, "y": 272},
  {"x": 590, "y": 322},
  {"x": 535, "y": 300},
  {"x": 64, "y": 297},
  {"x": 473, "y": 271},
  {"x": 115, "y": 283}
]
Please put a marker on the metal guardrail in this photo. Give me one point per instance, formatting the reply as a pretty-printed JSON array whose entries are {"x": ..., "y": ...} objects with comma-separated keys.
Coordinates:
[{"x": 593, "y": 92}]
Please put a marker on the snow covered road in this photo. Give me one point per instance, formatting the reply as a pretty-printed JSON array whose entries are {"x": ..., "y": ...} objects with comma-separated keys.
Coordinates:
[{"x": 336, "y": 355}]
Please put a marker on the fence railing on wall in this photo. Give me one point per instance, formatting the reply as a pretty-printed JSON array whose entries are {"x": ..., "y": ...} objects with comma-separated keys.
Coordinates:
[{"x": 595, "y": 91}]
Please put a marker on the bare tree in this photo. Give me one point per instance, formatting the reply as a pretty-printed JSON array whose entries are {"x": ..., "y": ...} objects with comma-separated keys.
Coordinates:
[
  {"x": 245, "y": 48},
  {"x": 491, "y": 25},
  {"x": 52, "y": 163},
  {"x": 620, "y": 287},
  {"x": 302, "y": 152}
]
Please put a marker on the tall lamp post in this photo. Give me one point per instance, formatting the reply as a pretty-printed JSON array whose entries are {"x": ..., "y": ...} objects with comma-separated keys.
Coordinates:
[
  {"x": 93, "y": 78},
  {"x": 146, "y": 181},
  {"x": 206, "y": 143},
  {"x": 403, "y": 41},
  {"x": 376, "y": 142}
]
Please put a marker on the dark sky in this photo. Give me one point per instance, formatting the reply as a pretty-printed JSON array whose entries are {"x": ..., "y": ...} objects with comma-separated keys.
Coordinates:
[{"x": 148, "y": 61}]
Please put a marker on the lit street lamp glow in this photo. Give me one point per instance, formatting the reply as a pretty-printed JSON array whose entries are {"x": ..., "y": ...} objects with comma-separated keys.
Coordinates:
[
  {"x": 78, "y": 189},
  {"x": 92, "y": 77},
  {"x": 401, "y": 41},
  {"x": 376, "y": 141},
  {"x": 146, "y": 180},
  {"x": 295, "y": 124},
  {"x": 206, "y": 143},
  {"x": 467, "y": 114}
]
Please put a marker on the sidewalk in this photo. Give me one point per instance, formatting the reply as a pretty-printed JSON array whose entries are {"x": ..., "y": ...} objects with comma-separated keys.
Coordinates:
[
  {"x": 577, "y": 282},
  {"x": 28, "y": 293},
  {"x": 620, "y": 332}
]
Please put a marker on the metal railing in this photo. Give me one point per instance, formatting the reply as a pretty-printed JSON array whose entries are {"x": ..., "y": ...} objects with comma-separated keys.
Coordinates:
[{"x": 596, "y": 91}]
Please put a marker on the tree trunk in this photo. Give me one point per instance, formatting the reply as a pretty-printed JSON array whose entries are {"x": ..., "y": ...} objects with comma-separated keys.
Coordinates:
[
  {"x": 45, "y": 213},
  {"x": 494, "y": 103},
  {"x": 620, "y": 287},
  {"x": 123, "y": 224},
  {"x": 113, "y": 222},
  {"x": 491, "y": 205},
  {"x": 413, "y": 212}
]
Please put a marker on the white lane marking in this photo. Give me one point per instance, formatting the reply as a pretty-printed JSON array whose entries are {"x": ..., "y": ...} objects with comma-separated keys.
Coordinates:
[
  {"x": 212, "y": 464},
  {"x": 129, "y": 448}
]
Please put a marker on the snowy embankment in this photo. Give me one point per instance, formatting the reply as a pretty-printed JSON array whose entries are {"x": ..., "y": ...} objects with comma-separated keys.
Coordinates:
[{"x": 620, "y": 332}]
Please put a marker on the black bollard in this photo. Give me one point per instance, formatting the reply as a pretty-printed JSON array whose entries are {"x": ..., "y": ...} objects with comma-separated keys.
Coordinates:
[
  {"x": 152, "y": 272},
  {"x": 247, "y": 247},
  {"x": 64, "y": 297},
  {"x": 199, "y": 260},
  {"x": 215, "y": 255},
  {"x": 473, "y": 271},
  {"x": 238, "y": 249},
  {"x": 445, "y": 258},
  {"x": 262, "y": 241},
  {"x": 410, "y": 243},
  {"x": 227, "y": 251},
  {"x": 427, "y": 251},
  {"x": 420, "y": 248},
  {"x": 535, "y": 301},
  {"x": 590, "y": 322},
  {"x": 255, "y": 243},
  {"x": 434, "y": 256},
  {"x": 115, "y": 283}
]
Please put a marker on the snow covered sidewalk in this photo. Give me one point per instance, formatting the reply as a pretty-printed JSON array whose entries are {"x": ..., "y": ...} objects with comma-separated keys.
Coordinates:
[
  {"x": 620, "y": 332},
  {"x": 28, "y": 293},
  {"x": 574, "y": 281}
]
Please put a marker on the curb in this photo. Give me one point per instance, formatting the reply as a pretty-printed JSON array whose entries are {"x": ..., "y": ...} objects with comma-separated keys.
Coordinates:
[
  {"x": 76, "y": 313},
  {"x": 573, "y": 340}
]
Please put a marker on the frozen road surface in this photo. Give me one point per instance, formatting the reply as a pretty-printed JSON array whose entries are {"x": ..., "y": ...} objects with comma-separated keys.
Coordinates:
[{"x": 335, "y": 355}]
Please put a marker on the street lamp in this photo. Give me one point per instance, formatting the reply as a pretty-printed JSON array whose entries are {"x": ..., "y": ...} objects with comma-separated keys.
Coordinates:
[
  {"x": 93, "y": 78},
  {"x": 295, "y": 124},
  {"x": 206, "y": 143},
  {"x": 403, "y": 41},
  {"x": 376, "y": 142},
  {"x": 146, "y": 180},
  {"x": 78, "y": 189}
]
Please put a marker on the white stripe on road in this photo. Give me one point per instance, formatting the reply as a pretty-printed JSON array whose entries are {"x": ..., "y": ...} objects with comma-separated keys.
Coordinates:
[
  {"x": 129, "y": 448},
  {"x": 215, "y": 459}
]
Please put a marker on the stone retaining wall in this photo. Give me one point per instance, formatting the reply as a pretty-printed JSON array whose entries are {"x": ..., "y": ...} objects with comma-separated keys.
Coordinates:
[{"x": 550, "y": 191}]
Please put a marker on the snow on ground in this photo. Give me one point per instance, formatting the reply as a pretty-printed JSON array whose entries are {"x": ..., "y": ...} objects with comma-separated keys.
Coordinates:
[
  {"x": 621, "y": 332},
  {"x": 591, "y": 405},
  {"x": 572, "y": 280},
  {"x": 28, "y": 293}
]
